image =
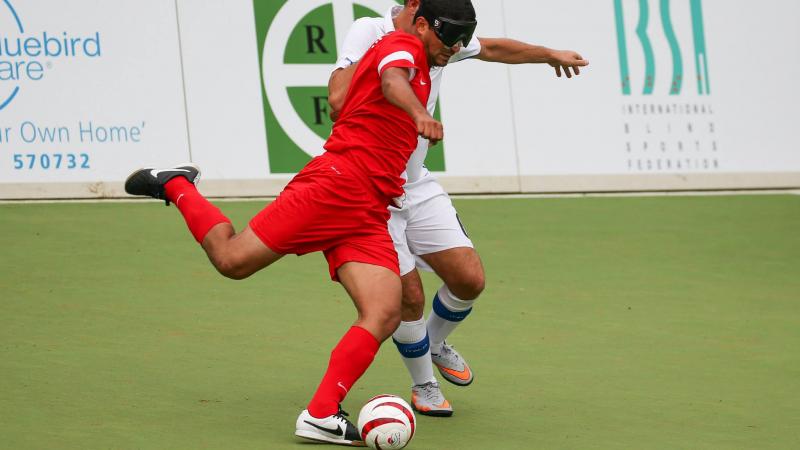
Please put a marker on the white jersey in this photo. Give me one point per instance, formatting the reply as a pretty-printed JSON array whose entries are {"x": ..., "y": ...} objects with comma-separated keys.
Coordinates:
[{"x": 361, "y": 36}]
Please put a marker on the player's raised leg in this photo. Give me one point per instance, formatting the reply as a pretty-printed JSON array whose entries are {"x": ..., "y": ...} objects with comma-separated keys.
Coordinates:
[
  {"x": 464, "y": 279},
  {"x": 375, "y": 292},
  {"x": 235, "y": 256}
]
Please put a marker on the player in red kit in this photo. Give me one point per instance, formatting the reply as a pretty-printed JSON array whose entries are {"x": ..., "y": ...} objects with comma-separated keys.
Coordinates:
[{"x": 338, "y": 204}]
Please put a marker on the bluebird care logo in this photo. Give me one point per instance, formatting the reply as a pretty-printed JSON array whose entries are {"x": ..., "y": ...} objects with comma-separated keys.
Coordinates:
[{"x": 28, "y": 57}]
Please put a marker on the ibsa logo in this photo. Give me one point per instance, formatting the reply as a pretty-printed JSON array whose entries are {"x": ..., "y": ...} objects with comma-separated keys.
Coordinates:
[
  {"x": 297, "y": 50},
  {"x": 394, "y": 439},
  {"x": 693, "y": 27},
  {"x": 27, "y": 58}
]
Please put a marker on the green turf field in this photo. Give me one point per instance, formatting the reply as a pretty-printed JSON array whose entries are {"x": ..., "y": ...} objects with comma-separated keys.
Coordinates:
[{"x": 607, "y": 323}]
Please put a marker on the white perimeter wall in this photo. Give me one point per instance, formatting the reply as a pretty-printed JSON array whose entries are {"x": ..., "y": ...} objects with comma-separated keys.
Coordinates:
[{"x": 160, "y": 82}]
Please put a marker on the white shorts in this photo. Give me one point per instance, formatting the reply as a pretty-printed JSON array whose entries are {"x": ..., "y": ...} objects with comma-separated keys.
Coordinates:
[{"x": 429, "y": 226}]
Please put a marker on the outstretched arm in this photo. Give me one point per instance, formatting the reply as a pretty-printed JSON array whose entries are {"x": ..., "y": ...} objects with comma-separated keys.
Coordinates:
[
  {"x": 397, "y": 89},
  {"x": 510, "y": 51}
]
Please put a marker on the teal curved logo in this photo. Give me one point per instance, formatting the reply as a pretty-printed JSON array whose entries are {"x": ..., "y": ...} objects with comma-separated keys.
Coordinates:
[{"x": 676, "y": 84}]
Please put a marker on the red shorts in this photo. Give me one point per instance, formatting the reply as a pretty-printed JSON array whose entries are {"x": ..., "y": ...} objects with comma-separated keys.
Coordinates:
[{"x": 329, "y": 206}]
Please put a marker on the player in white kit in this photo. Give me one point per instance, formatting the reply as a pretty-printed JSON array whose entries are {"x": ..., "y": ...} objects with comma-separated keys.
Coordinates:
[{"x": 426, "y": 230}]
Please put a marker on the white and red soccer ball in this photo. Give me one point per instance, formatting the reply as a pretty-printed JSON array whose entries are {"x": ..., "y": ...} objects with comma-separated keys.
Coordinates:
[{"x": 386, "y": 422}]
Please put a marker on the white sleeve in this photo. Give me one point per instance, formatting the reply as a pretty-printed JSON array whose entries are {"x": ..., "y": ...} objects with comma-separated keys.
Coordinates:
[
  {"x": 470, "y": 51},
  {"x": 399, "y": 56},
  {"x": 360, "y": 37}
]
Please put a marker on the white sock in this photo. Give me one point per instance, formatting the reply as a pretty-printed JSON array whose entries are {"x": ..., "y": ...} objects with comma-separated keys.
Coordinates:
[
  {"x": 412, "y": 342},
  {"x": 448, "y": 312}
]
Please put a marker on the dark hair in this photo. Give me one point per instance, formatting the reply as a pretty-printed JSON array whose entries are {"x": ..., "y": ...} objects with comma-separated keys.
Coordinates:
[{"x": 451, "y": 9}]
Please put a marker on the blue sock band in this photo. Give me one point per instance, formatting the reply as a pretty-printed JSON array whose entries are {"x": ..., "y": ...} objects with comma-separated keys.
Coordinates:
[
  {"x": 414, "y": 350},
  {"x": 446, "y": 314}
]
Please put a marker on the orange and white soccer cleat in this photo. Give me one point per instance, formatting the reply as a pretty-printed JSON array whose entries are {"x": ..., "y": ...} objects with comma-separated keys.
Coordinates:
[
  {"x": 452, "y": 366},
  {"x": 427, "y": 399}
]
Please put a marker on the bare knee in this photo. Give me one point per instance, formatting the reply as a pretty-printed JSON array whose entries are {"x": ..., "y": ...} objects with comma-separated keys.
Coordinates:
[
  {"x": 376, "y": 292},
  {"x": 237, "y": 256},
  {"x": 461, "y": 270},
  {"x": 468, "y": 286},
  {"x": 383, "y": 322},
  {"x": 392, "y": 322},
  {"x": 231, "y": 267},
  {"x": 390, "y": 316}
]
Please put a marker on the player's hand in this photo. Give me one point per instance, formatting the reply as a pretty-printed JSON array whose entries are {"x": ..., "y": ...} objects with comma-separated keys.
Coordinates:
[
  {"x": 567, "y": 61},
  {"x": 430, "y": 128}
]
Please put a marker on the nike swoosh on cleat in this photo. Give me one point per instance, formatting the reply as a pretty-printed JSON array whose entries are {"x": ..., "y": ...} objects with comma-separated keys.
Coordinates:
[
  {"x": 336, "y": 432},
  {"x": 461, "y": 375},
  {"x": 155, "y": 172}
]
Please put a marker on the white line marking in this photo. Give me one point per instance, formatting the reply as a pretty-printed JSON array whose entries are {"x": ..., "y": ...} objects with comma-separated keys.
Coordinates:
[{"x": 456, "y": 196}]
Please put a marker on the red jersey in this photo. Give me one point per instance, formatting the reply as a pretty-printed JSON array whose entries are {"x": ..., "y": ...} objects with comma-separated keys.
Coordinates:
[{"x": 373, "y": 134}]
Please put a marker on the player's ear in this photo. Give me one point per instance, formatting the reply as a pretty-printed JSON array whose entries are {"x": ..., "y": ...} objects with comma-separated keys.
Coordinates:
[
  {"x": 421, "y": 25},
  {"x": 412, "y": 5}
]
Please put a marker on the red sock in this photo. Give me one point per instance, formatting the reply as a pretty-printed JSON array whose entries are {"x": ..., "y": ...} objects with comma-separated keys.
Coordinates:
[
  {"x": 200, "y": 215},
  {"x": 349, "y": 360}
]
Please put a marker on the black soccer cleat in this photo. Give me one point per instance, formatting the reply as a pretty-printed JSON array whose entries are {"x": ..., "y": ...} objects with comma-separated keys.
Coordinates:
[
  {"x": 150, "y": 182},
  {"x": 334, "y": 429}
]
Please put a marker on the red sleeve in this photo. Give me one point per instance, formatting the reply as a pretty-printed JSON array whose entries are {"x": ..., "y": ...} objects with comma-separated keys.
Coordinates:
[{"x": 399, "y": 49}]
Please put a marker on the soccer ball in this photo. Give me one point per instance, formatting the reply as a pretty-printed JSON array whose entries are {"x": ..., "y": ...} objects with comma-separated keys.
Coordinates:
[{"x": 386, "y": 422}]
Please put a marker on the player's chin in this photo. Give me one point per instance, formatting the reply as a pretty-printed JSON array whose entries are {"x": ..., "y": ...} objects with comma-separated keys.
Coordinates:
[{"x": 442, "y": 61}]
